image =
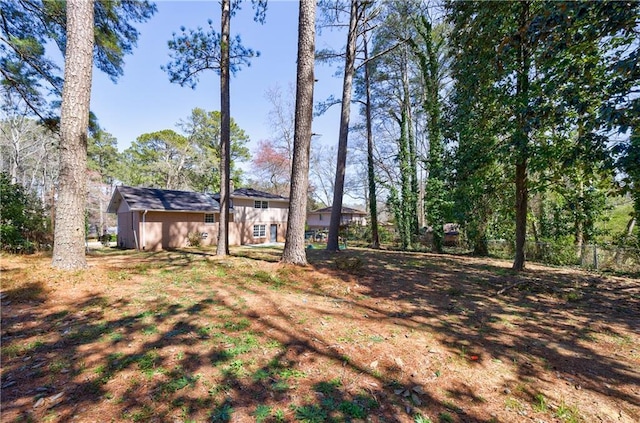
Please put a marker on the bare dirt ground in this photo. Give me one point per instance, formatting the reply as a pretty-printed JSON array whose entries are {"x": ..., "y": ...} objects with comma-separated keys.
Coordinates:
[{"x": 360, "y": 336}]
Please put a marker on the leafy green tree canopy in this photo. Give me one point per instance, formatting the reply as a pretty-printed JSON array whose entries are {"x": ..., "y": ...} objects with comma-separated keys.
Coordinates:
[
  {"x": 22, "y": 219},
  {"x": 187, "y": 160},
  {"x": 203, "y": 130},
  {"x": 102, "y": 154},
  {"x": 157, "y": 159}
]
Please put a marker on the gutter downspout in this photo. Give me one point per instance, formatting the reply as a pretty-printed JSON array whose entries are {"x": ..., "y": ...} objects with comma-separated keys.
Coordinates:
[
  {"x": 135, "y": 228},
  {"x": 144, "y": 229}
]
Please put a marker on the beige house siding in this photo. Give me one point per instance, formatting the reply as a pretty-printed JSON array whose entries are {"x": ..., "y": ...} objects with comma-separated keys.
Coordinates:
[
  {"x": 158, "y": 230},
  {"x": 317, "y": 220},
  {"x": 155, "y": 231},
  {"x": 247, "y": 216},
  {"x": 355, "y": 219},
  {"x": 162, "y": 230},
  {"x": 127, "y": 227}
]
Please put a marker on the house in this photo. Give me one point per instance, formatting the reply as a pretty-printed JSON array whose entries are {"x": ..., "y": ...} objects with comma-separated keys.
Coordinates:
[
  {"x": 319, "y": 219},
  {"x": 258, "y": 217},
  {"x": 451, "y": 235},
  {"x": 155, "y": 219}
]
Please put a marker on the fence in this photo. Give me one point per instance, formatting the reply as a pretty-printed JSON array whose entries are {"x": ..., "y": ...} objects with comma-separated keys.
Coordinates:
[{"x": 592, "y": 256}]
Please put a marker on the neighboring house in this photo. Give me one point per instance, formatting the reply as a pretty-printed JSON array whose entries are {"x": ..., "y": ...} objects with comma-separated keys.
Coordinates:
[
  {"x": 451, "y": 235},
  {"x": 155, "y": 219},
  {"x": 319, "y": 219}
]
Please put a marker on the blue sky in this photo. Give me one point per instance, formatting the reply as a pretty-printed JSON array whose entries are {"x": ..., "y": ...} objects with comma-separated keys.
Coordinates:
[{"x": 143, "y": 100}]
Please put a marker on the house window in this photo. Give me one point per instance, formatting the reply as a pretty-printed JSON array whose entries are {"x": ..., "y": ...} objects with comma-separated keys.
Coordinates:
[
  {"x": 260, "y": 204},
  {"x": 209, "y": 219},
  {"x": 320, "y": 216},
  {"x": 259, "y": 231}
]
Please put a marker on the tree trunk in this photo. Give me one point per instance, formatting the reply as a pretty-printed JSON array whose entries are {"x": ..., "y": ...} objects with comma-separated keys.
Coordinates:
[
  {"x": 434, "y": 189},
  {"x": 579, "y": 215},
  {"x": 404, "y": 225},
  {"x": 69, "y": 237},
  {"x": 535, "y": 233},
  {"x": 480, "y": 244},
  {"x": 627, "y": 234},
  {"x": 521, "y": 138},
  {"x": 521, "y": 214},
  {"x": 225, "y": 132},
  {"x": 15, "y": 153},
  {"x": 294, "y": 248},
  {"x": 373, "y": 201},
  {"x": 338, "y": 190},
  {"x": 413, "y": 166},
  {"x": 409, "y": 203},
  {"x": 102, "y": 230}
]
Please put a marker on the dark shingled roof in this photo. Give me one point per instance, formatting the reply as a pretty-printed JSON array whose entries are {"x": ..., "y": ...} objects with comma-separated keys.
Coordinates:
[
  {"x": 162, "y": 199},
  {"x": 345, "y": 210},
  {"x": 254, "y": 193}
]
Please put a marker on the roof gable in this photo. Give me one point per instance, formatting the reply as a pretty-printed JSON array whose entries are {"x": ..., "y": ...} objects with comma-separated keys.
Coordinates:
[
  {"x": 253, "y": 193},
  {"x": 345, "y": 210},
  {"x": 162, "y": 200}
]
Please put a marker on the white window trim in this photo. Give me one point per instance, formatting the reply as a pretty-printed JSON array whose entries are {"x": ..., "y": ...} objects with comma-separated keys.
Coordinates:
[
  {"x": 260, "y": 204},
  {"x": 261, "y": 231},
  {"x": 212, "y": 216}
]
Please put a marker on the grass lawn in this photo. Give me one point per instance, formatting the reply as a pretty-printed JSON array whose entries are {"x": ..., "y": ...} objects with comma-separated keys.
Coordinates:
[{"x": 362, "y": 335}]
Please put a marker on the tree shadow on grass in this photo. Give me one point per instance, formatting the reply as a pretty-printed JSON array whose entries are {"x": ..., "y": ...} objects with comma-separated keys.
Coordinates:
[
  {"x": 542, "y": 319},
  {"x": 95, "y": 355},
  {"x": 199, "y": 354}
]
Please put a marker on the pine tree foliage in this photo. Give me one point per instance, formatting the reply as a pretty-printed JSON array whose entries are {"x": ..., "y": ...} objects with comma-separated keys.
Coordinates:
[
  {"x": 27, "y": 26},
  {"x": 200, "y": 50}
]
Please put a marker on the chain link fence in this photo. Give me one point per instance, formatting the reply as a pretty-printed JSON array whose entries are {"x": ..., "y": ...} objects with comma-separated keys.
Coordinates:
[{"x": 591, "y": 256}]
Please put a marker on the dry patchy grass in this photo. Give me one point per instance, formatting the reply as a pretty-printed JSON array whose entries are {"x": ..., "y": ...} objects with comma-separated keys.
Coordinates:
[{"x": 359, "y": 336}]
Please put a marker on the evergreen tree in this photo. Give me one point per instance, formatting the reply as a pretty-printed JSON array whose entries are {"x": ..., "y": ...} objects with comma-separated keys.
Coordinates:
[
  {"x": 199, "y": 51},
  {"x": 29, "y": 25},
  {"x": 294, "y": 248},
  {"x": 88, "y": 34},
  {"x": 69, "y": 229}
]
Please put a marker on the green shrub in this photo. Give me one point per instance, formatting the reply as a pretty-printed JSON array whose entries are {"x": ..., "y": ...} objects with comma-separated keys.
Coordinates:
[
  {"x": 23, "y": 224},
  {"x": 194, "y": 239},
  {"x": 561, "y": 251},
  {"x": 106, "y": 239}
]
